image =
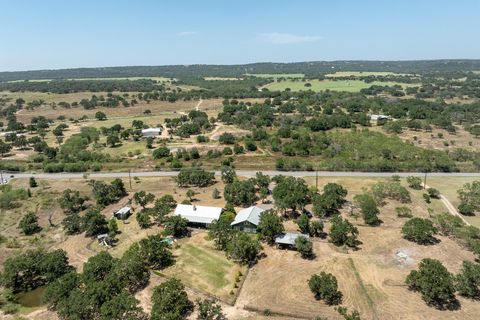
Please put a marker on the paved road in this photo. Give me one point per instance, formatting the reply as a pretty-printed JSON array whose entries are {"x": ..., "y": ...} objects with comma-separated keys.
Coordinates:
[{"x": 242, "y": 173}]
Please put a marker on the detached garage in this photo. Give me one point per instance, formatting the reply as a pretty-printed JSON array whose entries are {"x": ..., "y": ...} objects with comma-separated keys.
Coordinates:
[{"x": 200, "y": 216}]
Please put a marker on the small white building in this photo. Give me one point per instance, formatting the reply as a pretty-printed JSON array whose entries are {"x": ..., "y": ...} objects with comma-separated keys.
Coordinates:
[
  {"x": 288, "y": 239},
  {"x": 151, "y": 132},
  {"x": 376, "y": 117},
  {"x": 198, "y": 215},
  {"x": 248, "y": 219},
  {"x": 122, "y": 213}
]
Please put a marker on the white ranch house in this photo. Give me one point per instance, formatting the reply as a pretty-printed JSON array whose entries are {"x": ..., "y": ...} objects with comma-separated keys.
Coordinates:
[{"x": 198, "y": 215}]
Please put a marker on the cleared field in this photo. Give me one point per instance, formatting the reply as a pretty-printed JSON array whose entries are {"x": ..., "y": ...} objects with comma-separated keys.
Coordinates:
[
  {"x": 340, "y": 74},
  {"x": 159, "y": 79},
  {"x": 221, "y": 79},
  {"x": 200, "y": 266},
  {"x": 334, "y": 85},
  {"x": 372, "y": 279},
  {"x": 156, "y": 108},
  {"x": 448, "y": 187},
  {"x": 277, "y": 75}
]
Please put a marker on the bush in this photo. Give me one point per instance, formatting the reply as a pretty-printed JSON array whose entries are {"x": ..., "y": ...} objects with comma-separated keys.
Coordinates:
[
  {"x": 414, "y": 182},
  {"x": 403, "y": 212},
  {"x": 466, "y": 209},
  {"x": 434, "y": 282},
  {"x": 433, "y": 193},
  {"x": 161, "y": 152},
  {"x": 342, "y": 232},
  {"x": 29, "y": 224},
  {"x": 324, "y": 286},
  {"x": 468, "y": 281},
  {"x": 419, "y": 230},
  {"x": 226, "y": 138},
  {"x": 304, "y": 246}
]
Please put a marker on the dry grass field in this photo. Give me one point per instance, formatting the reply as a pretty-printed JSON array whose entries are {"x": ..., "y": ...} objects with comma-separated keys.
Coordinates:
[
  {"x": 438, "y": 139},
  {"x": 371, "y": 279},
  {"x": 156, "y": 107}
]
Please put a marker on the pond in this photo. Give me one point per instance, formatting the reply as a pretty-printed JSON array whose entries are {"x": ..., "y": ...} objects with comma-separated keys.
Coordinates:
[{"x": 31, "y": 299}]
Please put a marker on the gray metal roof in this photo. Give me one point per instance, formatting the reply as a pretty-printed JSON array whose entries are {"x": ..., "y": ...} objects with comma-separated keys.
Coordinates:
[
  {"x": 289, "y": 238},
  {"x": 251, "y": 214}
]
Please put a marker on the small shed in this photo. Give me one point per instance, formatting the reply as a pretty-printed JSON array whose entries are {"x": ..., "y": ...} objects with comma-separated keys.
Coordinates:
[
  {"x": 122, "y": 213},
  {"x": 151, "y": 132},
  {"x": 379, "y": 117},
  {"x": 287, "y": 240},
  {"x": 104, "y": 239},
  {"x": 201, "y": 216},
  {"x": 247, "y": 219}
]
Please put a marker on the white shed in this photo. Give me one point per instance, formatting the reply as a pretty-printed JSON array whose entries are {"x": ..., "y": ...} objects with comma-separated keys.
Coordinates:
[{"x": 151, "y": 132}]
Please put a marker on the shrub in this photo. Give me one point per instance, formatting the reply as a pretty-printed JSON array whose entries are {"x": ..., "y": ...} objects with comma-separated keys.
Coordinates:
[
  {"x": 419, "y": 230},
  {"x": 324, "y": 286},
  {"x": 434, "y": 282}
]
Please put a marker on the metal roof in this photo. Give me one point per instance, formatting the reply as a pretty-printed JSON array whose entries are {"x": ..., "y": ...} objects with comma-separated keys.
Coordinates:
[
  {"x": 251, "y": 214},
  {"x": 198, "y": 214},
  {"x": 152, "y": 130},
  {"x": 123, "y": 210},
  {"x": 289, "y": 238}
]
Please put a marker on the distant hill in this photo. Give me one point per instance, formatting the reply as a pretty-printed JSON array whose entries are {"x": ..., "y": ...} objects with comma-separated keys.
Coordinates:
[{"x": 310, "y": 69}]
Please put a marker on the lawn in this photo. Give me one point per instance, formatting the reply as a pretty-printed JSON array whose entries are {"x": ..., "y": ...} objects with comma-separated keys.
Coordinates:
[
  {"x": 199, "y": 266},
  {"x": 277, "y": 75},
  {"x": 159, "y": 79},
  {"x": 449, "y": 186},
  {"x": 339, "y": 74},
  {"x": 334, "y": 85}
]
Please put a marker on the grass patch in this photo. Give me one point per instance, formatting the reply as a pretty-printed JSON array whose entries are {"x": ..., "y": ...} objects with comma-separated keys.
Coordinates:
[
  {"x": 200, "y": 266},
  {"x": 340, "y": 74},
  {"x": 277, "y": 75},
  {"x": 334, "y": 85}
]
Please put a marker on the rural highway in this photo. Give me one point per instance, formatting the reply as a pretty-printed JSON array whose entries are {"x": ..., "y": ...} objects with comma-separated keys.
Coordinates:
[{"x": 242, "y": 173}]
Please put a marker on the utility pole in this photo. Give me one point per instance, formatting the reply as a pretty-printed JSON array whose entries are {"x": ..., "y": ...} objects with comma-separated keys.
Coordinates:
[
  {"x": 316, "y": 179},
  {"x": 1, "y": 176},
  {"x": 425, "y": 181},
  {"x": 130, "y": 179}
]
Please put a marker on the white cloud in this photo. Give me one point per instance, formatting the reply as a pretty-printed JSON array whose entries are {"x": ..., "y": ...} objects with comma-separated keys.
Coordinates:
[
  {"x": 287, "y": 38},
  {"x": 186, "y": 33}
]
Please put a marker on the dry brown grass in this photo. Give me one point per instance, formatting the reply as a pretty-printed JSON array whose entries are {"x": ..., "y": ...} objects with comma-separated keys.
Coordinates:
[{"x": 371, "y": 279}]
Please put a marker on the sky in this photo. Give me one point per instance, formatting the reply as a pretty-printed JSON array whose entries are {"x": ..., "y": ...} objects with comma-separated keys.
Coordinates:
[{"x": 54, "y": 34}]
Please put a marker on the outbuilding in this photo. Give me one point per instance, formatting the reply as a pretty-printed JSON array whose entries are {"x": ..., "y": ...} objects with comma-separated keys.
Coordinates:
[
  {"x": 151, "y": 132},
  {"x": 201, "y": 216},
  {"x": 123, "y": 213},
  {"x": 247, "y": 219},
  {"x": 287, "y": 240}
]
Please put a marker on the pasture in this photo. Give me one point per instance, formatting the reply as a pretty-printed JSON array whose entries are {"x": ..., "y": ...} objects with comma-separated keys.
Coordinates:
[
  {"x": 449, "y": 187},
  {"x": 341, "y": 74},
  {"x": 372, "y": 279},
  {"x": 334, "y": 85},
  {"x": 277, "y": 75}
]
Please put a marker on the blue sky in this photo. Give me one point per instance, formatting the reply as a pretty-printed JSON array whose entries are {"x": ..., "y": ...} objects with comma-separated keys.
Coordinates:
[{"x": 50, "y": 34}]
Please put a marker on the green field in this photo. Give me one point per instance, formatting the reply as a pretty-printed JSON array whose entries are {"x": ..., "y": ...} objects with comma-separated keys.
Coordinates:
[
  {"x": 449, "y": 187},
  {"x": 277, "y": 75},
  {"x": 160, "y": 79},
  {"x": 200, "y": 266},
  {"x": 334, "y": 85},
  {"x": 340, "y": 74}
]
